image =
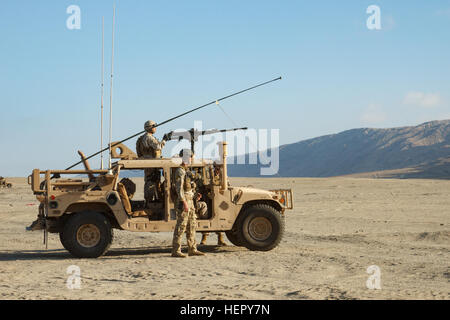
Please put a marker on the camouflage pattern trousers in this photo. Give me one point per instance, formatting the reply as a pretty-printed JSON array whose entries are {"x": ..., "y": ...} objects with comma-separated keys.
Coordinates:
[
  {"x": 151, "y": 185},
  {"x": 201, "y": 209},
  {"x": 186, "y": 221}
]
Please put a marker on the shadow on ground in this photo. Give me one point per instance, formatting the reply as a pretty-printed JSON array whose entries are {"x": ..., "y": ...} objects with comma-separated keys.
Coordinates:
[{"x": 62, "y": 254}]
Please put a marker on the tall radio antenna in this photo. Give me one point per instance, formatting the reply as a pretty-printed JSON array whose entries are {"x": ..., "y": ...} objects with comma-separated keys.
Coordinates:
[
  {"x": 111, "y": 88},
  {"x": 101, "y": 105}
]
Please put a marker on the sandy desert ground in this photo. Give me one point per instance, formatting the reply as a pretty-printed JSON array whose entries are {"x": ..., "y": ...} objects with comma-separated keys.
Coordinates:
[{"x": 338, "y": 228}]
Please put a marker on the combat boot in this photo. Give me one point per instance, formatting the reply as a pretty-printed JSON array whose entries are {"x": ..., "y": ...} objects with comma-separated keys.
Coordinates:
[
  {"x": 178, "y": 254},
  {"x": 204, "y": 237},
  {"x": 196, "y": 253},
  {"x": 220, "y": 241}
]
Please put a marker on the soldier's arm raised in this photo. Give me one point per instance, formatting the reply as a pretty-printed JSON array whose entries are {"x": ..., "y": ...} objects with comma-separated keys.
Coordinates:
[{"x": 152, "y": 142}]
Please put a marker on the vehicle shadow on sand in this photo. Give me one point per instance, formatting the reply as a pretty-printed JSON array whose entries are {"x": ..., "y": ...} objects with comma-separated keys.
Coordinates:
[{"x": 113, "y": 253}]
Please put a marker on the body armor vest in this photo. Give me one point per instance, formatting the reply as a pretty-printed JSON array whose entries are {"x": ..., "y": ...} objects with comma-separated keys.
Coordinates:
[{"x": 144, "y": 152}]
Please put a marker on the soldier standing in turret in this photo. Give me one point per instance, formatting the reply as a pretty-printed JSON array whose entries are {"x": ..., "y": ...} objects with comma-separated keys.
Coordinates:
[
  {"x": 148, "y": 147},
  {"x": 184, "y": 204}
]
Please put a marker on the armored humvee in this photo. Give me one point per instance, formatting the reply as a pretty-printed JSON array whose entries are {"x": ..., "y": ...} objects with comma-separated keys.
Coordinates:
[
  {"x": 85, "y": 211},
  {"x": 4, "y": 183}
]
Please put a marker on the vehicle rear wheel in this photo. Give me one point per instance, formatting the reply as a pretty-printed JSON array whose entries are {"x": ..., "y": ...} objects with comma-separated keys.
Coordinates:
[
  {"x": 260, "y": 227},
  {"x": 233, "y": 237},
  {"x": 9, "y": 185},
  {"x": 87, "y": 235}
]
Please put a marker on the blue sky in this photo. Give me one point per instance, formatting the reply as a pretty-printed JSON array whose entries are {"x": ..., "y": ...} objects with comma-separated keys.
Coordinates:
[{"x": 172, "y": 56}]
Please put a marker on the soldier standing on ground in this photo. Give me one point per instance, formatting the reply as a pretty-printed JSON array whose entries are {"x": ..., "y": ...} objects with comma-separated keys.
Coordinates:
[
  {"x": 202, "y": 210},
  {"x": 184, "y": 204},
  {"x": 148, "y": 147}
]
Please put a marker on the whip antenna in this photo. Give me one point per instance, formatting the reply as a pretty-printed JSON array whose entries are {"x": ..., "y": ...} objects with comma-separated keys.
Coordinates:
[
  {"x": 111, "y": 88},
  {"x": 171, "y": 119},
  {"x": 101, "y": 103}
]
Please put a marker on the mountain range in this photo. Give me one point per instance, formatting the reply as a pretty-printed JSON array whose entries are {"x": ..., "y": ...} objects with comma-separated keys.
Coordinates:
[{"x": 421, "y": 151}]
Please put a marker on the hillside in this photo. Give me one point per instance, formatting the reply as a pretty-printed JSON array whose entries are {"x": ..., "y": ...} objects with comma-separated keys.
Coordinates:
[{"x": 421, "y": 151}]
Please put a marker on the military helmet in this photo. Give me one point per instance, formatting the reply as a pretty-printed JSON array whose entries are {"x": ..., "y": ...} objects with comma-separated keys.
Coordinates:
[{"x": 149, "y": 124}]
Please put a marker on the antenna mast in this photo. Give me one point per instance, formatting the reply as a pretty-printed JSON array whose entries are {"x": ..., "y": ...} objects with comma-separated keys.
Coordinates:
[
  {"x": 174, "y": 118},
  {"x": 111, "y": 88},
  {"x": 101, "y": 106}
]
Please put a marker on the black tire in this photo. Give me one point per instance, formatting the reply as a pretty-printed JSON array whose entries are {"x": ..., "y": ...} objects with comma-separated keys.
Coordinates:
[
  {"x": 9, "y": 185},
  {"x": 260, "y": 218},
  {"x": 233, "y": 238},
  {"x": 87, "y": 235},
  {"x": 62, "y": 240}
]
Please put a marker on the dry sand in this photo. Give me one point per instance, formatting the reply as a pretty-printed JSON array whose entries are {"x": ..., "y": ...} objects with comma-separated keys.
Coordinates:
[{"x": 338, "y": 228}]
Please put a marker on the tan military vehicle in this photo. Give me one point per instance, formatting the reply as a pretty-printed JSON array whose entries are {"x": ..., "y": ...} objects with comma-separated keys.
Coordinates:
[
  {"x": 85, "y": 211},
  {"x": 4, "y": 183}
]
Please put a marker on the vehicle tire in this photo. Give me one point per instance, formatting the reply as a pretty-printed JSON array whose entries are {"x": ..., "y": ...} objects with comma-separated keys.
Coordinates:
[
  {"x": 61, "y": 239},
  {"x": 87, "y": 235},
  {"x": 260, "y": 227},
  {"x": 9, "y": 185},
  {"x": 233, "y": 237}
]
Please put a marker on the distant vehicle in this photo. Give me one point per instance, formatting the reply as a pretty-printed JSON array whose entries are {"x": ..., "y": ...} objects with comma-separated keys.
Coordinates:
[
  {"x": 4, "y": 183},
  {"x": 84, "y": 213}
]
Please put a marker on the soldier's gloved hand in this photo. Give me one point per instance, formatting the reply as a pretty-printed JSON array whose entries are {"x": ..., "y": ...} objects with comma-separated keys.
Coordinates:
[
  {"x": 167, "y": 136},
  {"x": 185, "y": 206}
]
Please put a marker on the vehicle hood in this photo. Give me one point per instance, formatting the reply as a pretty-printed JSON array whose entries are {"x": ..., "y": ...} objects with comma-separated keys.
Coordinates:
[{"x": 249, "y": 194}]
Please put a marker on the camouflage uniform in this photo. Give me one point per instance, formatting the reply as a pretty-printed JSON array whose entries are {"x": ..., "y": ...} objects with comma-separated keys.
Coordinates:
[
  {"x": 201, "y": 208},
  {"x": 147, "y": 147},
  {"x": 216, "y": 179},
  {"x": 186, "y": 221},
  {"x": 202, "y": 211}
]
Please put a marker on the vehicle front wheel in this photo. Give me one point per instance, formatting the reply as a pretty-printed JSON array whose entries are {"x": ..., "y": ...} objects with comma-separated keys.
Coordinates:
[
  {"x": 260, "y": 227},
  {"x": 9, "y": 185},
  {"x": 87, "y": 235}
]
